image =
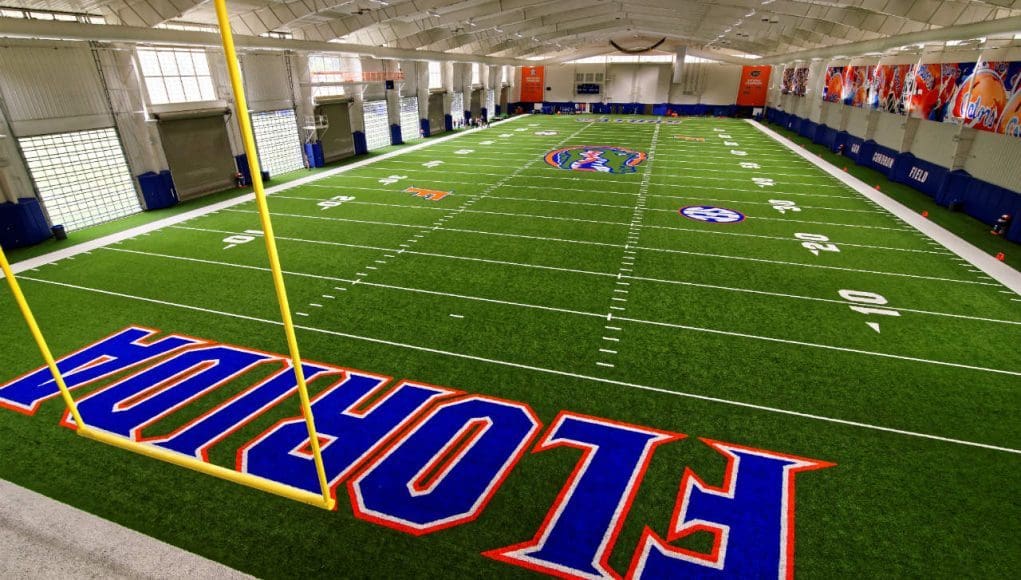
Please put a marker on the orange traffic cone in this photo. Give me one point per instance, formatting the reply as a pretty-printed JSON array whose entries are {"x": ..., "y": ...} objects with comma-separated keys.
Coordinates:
[
  {"x": 1000, "y": 256},
  {"x": 845, "y": 169},
  {"x": 877, "y": 187},
  {"x": 925, "y": 213}
]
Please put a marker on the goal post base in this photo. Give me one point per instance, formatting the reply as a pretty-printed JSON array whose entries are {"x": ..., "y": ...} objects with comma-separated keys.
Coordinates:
[{"x": 195, "y": 464}]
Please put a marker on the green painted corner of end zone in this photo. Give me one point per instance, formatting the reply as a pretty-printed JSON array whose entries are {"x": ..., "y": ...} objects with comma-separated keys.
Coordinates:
[{"x": 893, "y": 505}]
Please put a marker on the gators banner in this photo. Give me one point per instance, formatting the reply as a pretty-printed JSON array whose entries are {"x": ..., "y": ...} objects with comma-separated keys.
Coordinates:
[
  {"x": 754, "y": 85},
  {"x": 421, "y": 459},
  {"x": 533, "y": 84},
  {"x": 985, "y": 95}
]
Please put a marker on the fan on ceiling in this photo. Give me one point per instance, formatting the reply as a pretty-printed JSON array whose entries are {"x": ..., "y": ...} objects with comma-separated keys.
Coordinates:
[{"x": 652, "y": 46}]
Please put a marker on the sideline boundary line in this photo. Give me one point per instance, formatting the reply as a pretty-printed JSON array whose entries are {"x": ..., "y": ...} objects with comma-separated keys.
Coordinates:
[
  {"x": 999, "y": 271},
  {"x": 127, "y": 234},
  {"x": 523, "y": 366}
]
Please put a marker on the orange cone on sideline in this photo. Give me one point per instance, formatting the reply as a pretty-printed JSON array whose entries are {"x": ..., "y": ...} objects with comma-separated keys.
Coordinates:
[
  {"x": 1000, "y": 256},
  {"x": 925, "y": 213},
  {"x": 845, "y": 169},
  {"x": 877, "y": 186}
]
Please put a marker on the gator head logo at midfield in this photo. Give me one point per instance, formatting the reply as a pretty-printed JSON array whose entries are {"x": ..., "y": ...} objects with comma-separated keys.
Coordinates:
[{"x": 603, "y": 158}]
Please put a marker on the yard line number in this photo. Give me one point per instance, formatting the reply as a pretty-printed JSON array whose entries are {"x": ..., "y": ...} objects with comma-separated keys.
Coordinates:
[
  {"x": 870, "y": 298},
  {"x": 816, "y": 243}
]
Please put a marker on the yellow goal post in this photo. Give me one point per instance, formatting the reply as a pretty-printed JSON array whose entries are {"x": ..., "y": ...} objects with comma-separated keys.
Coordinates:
[{"x": 324, "y": 499}]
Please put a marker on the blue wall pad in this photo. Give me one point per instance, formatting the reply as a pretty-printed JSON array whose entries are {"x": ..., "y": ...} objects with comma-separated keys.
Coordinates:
[
  {"x": 314, "y": 154},
  {"x": 157, "y": 189},
  {"x": 22, "y": 223},
  {"x": 448, "y": 122},
  {"x": 242, "y": 163},
  {"x": 395, "y": 135},
  {"x": 361, "y": 146},
  {"x": 924, "y": 176},
  {"x": 423, "y": 125}
]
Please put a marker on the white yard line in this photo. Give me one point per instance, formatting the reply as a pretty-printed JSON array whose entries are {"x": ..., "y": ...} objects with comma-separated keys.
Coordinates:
[
  {"x": 532, "y": 266},
  {"x": 700, "y": 254},
  {"x": 999, "y": 271},
  {"x": 556, "y": 372},
  {"x": 84, "y": 247}
]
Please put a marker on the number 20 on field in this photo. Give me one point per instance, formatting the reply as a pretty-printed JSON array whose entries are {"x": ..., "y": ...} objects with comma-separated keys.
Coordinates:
[{"x": 817, "y": 243}]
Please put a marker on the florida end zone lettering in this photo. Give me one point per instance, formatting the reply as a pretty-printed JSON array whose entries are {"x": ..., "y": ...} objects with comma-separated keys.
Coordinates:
[{"x": 420, "y": 458}]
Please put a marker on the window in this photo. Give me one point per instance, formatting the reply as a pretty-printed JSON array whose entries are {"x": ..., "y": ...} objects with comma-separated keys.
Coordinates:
[
  {"x": 52, "y": 15},
  {"x": 490, "y": 103},
  {"x": 82, "y": 177},
  {"x": 505, "y": 74},
  {"x": 435, "y": 75},
  {"x": 328, "y": 71},
  {"x": 475, "y": 73},
  {"x": 174, "y": 75},
  {"x": 276, "y": 137},
  {"x": 377, "y": 125},
  {"x": 619, "y": 58}
]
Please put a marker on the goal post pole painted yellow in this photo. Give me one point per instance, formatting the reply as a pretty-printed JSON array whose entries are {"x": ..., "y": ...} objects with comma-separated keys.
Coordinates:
[
  {"x": 37, "y": 335},
  {"x": 241, "y": 111}
]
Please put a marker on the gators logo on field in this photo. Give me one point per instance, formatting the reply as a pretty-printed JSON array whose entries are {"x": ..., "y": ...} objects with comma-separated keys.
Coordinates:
[{"x": 603, "y": 158}]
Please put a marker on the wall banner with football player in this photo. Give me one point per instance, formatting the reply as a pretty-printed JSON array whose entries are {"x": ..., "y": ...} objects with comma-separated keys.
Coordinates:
[
  {"x": 800, "y": 81},
  {"x": 833, "y": 84},
  {"x": 787, "y": 82},
  {"x": 985, "y": 95}
]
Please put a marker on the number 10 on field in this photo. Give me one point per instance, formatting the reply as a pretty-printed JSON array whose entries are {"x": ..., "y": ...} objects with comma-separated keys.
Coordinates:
[{"x": 870, "y": 298}]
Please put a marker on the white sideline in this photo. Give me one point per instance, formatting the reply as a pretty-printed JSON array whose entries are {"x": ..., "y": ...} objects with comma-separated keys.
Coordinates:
[
  {"x": 44, "y": 538},
  {"x": 86, "y": 247},
  {"x": 999, "y": 271}
]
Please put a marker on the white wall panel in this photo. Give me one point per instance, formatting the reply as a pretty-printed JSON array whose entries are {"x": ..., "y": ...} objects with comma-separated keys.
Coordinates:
[
  {"x": 857, "y": 121},
  {"x": 890, "y": 130},
  {"x": 52, "y": 89},
  {"x": 935, "y": 142},
  {"x": 721, "y": 85},
  {"x": 994, "y": 158},
  {"x": 830, "y": 114},
  {"x": 266, "y": 83}
]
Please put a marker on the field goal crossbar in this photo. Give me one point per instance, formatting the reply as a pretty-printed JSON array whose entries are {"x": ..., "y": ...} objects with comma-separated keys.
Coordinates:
[{"x": 324, "y": 499}]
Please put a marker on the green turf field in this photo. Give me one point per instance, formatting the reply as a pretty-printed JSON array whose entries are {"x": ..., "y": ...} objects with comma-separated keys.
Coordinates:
[{"x": 574, "y": 291}]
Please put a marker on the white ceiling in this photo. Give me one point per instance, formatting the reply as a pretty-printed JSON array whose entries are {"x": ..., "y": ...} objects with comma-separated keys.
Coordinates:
[{"x": 534, "y": 28}]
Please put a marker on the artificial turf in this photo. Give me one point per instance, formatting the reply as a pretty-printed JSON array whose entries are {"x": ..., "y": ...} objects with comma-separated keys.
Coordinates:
[{"x": 730, "y": 332}]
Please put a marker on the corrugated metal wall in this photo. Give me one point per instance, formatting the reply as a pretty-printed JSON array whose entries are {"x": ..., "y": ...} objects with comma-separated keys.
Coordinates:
[{"x": 52, "y": 89}]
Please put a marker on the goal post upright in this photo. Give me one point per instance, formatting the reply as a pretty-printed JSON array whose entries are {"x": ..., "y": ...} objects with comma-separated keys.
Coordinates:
[
  {"x": 40, "y": 340},
  {"x": 247, "y": 136}
]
